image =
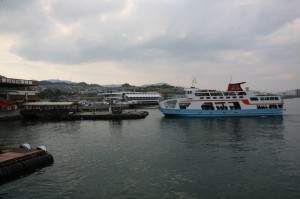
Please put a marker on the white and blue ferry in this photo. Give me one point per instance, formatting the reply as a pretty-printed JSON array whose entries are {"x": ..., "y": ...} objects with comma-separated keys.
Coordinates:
[{"x": 233, "y": 102}]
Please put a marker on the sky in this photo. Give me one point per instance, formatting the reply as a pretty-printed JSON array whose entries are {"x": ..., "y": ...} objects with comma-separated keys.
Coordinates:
[{"x": 153, "y": 41}]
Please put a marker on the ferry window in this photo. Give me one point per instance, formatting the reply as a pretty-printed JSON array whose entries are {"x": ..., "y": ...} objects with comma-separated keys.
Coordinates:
[
  {"x": 241, "y": 96},
  {"x": 234, "y": 105},
  {"x": 271, "y": 98},
  {"x": 183, "y": 105},
  {"x": 262, "y": 98},
  {"x": 261, "y": 107},
  {"x": 207, "y": 106},
  {"x": 202, "y": 94},
  {"x": 201, "y": 97},
  {"x": 221, "y": 106},
  {"x": 241, "y": 93},
  {"x": 234, "y": 97},
  {"x": 232, "y": 93},
  {"x": 272, "y": 106},
  {"x": 280, "y": 106},
  {"x": 227, "y": 97},
  {"x": 253, "y": 98},
  {"x": 214, "y": 97},
  {"x": 170, "y": 104},
  {"x": 216, "y": 94},
  {"x": 207, "y": 97},
  {"x": 221, "y": 97}
]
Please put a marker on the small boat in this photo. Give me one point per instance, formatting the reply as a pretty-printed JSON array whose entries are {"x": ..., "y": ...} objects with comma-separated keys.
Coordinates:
[{"x": 233, "y": 102}]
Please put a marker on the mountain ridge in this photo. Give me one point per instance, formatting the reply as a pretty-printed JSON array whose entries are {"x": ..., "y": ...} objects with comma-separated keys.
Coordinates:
[{"x": 57, "y": 81}]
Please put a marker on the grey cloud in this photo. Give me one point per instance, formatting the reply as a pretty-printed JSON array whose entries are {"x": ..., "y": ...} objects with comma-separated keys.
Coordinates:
[
  {"x": 69, "y": 11},
  {"x": 188, "y": 30},
  {"x": 14, "y": 5}
]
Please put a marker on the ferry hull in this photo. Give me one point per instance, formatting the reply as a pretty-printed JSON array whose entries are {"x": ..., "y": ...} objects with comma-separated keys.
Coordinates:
[{"x": 220, "y": 113}]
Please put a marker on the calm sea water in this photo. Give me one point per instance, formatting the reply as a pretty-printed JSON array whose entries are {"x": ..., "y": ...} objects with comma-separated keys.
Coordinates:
[{"x": 157, "y": 157}]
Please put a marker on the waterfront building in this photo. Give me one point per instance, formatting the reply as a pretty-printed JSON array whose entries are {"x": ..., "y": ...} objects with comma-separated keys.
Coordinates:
[
  {"x": 14, "y": 92},
  {"x": 293, "y": 93}
]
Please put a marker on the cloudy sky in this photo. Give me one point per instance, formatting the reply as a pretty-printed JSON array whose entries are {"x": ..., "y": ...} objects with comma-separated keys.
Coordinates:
[{"x": 152, "y": 41}]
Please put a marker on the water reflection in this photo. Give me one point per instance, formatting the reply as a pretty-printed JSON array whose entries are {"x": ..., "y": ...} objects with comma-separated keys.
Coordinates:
[
  {"x": 116, "y": 124},
  {"x": 234, "y": 133},
  {"x": 37, "y": 132},
  {"x": 230, "y": 125}
]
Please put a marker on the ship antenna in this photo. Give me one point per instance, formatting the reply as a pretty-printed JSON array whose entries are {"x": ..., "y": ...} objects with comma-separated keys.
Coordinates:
[
  {"x": 194, "y": 81},
  {"x": 230, "y": 79}
]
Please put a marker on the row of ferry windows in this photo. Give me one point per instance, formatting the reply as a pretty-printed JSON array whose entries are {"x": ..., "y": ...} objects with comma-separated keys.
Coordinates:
[
  {"x": 233, "y": 97},
  {"x": 263, "y": 98},
  {"x": 251, "y": 98},
  {"x": 142, "y": 97},
  {"x": 218, "y": 93}
]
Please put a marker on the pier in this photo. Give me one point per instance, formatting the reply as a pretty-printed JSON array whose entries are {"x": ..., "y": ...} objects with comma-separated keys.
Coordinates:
[{"x": 15, "y": 162}]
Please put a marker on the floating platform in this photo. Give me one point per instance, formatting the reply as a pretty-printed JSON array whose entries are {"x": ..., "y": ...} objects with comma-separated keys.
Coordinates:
[
  {"x": 16, "y": 162},
  {"x": 98, "y": 115},
  {"x": 71, "y": 111}
]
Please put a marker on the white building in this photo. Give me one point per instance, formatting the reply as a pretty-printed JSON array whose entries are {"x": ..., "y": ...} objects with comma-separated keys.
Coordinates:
[{"x": 294, "y": 92}]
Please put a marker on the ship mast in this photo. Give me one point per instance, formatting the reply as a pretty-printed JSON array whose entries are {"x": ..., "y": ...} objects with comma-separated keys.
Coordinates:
[{"x": 194, "y": 81}]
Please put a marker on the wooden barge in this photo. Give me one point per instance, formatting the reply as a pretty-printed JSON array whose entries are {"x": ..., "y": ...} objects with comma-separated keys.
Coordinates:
[
  {"x": 72, "y": 111},
  {"x": 16, "y": 162}
]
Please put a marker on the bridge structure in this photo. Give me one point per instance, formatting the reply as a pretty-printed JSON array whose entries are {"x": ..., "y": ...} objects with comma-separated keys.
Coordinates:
[{"x": 16, "y": 92}]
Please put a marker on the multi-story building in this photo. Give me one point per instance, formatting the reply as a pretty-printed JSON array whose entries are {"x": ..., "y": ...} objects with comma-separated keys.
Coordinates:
[
  {"x": 293, "y": 93},
  {"x": 14, "y": 92}
]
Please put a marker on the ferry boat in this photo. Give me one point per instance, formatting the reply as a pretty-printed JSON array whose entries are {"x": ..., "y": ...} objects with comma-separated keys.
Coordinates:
[
  {"x": 233, "y": 102},
  {"x": 133, "y": 99}
]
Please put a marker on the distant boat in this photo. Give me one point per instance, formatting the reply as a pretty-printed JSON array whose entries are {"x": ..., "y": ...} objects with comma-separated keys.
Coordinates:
[
  {"x": 233, "y": 102},
  {"x": 133, "y": 99}
]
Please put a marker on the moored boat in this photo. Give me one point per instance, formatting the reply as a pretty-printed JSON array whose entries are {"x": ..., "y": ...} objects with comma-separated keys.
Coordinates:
[{"x": 233, "y": 102}]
